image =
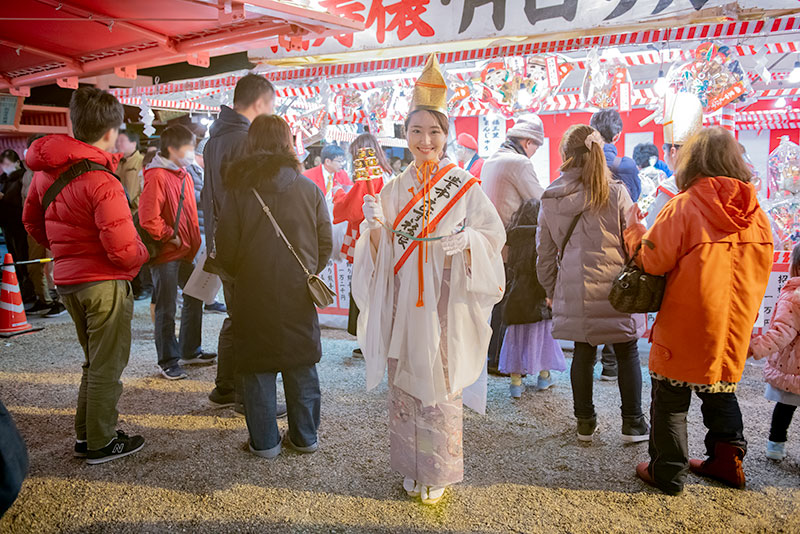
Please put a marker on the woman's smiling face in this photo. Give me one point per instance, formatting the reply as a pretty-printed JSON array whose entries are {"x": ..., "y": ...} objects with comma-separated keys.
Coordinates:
[{"x": 426, "y": 137}]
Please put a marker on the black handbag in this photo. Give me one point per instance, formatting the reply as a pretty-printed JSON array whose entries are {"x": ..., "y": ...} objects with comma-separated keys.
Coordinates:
[{"x": 635, "y": 291}]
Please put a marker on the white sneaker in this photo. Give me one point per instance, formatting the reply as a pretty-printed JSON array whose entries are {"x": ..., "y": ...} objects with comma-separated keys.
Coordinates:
[
  {"x": 412, "y": 488},
  {"x": 776, "y": 450},
  {"x": 432, "y": 494}
]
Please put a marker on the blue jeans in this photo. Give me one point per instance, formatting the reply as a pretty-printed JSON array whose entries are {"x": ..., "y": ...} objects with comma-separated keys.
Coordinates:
[
  {"x": 301, "y": 386},
  {"x": 630, "y": 380},
  {"x": 166, "y": 279}
]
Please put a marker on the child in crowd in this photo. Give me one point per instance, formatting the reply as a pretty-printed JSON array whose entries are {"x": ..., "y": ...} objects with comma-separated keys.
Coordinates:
[
  {"x": 782, "y": 371},
  {"x": 168, "y": 212},
  {"x": 528, "y": 346}
]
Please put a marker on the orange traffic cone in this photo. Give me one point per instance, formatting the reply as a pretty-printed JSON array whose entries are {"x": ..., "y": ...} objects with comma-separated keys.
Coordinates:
[{"x": 12, "y": 312}]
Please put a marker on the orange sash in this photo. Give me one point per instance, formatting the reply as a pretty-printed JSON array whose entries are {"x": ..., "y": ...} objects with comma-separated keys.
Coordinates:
[{"x": 431, "y": 227}]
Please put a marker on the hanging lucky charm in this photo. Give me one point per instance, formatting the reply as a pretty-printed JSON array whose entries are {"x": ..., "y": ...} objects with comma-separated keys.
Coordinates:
[
  {"x": 519, "y": 84},
  {"x": 783, "y": 189},
  {"x": 366, "y": 168},
  {"x": 715, "y": 76},
  {"x": 600, "y": 87},
  {"x": 147, "y": 116}
]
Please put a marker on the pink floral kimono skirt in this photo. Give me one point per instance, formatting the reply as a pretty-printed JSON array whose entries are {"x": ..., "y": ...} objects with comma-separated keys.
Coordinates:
[{"x": 426, "y": 442}]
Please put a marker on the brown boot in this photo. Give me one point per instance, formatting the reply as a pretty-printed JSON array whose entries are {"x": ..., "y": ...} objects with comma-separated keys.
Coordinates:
[{"x": 725, "y": 465}]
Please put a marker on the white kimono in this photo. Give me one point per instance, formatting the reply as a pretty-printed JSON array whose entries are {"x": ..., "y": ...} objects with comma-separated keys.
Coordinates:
[{"x": 390, "y": 327}]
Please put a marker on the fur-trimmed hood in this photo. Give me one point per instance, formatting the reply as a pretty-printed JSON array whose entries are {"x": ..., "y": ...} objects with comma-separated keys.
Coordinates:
[{"x": 267, "y": 172}]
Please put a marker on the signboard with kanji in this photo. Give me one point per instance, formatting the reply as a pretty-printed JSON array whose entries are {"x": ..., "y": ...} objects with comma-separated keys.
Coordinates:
[
  {"x": 491, "y": 134},
  {"x": 777, "y": 279},
  {"x": 10, "y": 111},
  {"x": 399, "y": 23}
]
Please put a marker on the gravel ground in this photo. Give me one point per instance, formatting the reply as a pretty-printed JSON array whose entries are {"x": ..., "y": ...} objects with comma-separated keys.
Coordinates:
[{"x": 525, "y": 470}]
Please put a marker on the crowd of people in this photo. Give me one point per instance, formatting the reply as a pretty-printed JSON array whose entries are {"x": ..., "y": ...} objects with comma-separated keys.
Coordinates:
[{"x": 447, "y": 269}]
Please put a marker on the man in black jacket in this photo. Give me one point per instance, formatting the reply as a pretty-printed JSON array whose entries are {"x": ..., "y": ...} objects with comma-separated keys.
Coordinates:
[{"x": 253, "y": 96}]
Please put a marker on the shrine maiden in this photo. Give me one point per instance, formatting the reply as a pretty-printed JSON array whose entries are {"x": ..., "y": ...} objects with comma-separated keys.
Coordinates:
[{"x": 427, "y": 272}]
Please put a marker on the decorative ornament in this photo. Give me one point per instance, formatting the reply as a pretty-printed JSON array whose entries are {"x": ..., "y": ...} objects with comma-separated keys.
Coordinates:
[
  {"x": 366, "y": 168},
  {"x": 783, "y": 206},
  {"x": 601, "y": 84},
  {"x": 520, "y": 84},
  {"x": 715, "y": 76},
  {"x": 147, "y": 117},
  {"x": 377, "y": 107}
]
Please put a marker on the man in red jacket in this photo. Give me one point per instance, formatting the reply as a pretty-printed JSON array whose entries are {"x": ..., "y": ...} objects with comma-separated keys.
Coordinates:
[
  {"x": 329, "y": 176},
  {"x": 165, "y": 181},
  {"x": 97, "y": 252}
]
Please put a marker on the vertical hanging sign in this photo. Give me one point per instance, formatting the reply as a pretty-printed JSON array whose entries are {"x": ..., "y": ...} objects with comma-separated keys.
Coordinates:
[
  {"x": 552, "y": 71},
  {"x": 624, "y": 96}
]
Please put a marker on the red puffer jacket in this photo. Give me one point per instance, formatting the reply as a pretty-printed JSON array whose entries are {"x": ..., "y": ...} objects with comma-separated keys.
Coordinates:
[
  {"x": 88, "y": 226},
  {"x": 158, "y": 205}
]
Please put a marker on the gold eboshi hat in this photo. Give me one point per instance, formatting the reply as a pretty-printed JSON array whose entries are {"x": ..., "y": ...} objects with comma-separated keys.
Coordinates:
[
  {"x": 430, "y": 90},
  {"x": 683, "y": 117}
]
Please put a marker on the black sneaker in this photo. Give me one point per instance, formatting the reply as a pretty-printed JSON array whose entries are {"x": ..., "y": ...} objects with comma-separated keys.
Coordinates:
[
  {"x": 280, "y": 411},
  {"x": 586, "y": 429},
  {"x": 81, "y": 448},
  {"x": 216, "y": 307},
  {"x": 608, "y": 376},
  {"x": 57, "y": 310},
  {"x": 201, "y": 358},
  {"x": 635, "y": 432},
  {"x": 122, "y": 445},
  {"x": 222, "y": 400},
  {"x": 238, "y": 410},
  {"x": 175, "y": 372},
  {"x": 143, "y": 295},
  {"x": 38, "y": 308}
]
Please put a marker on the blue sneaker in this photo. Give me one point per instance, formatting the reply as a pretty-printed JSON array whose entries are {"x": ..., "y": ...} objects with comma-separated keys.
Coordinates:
[
  {"x": 515, "y": 391},
  {"x": 175, "y": 372},
  {"x": 543, "y": 383},
  {"x": 776, "y": 450}
]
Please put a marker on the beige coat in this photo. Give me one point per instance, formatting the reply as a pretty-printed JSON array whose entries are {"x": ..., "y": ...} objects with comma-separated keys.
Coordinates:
[
  {"x": 128, "y": 172},
  {"x": 508, "y": 179},
  {"x": 594, "y": 256}
]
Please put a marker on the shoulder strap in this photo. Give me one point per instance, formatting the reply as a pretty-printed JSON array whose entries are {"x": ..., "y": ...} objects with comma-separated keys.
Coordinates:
[
  {"x": 572, "y": 226},
  {"x": 279, "y": 231},
  {"x": 180, "y": 208},
  {"x": 82, "y": 167}
]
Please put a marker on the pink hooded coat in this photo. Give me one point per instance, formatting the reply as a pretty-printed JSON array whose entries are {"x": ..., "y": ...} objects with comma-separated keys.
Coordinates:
[{"x": 781, "y": 342}]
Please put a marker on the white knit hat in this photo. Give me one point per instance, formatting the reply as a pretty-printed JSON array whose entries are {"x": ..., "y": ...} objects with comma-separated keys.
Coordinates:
[{"x": 528, "y": 127}]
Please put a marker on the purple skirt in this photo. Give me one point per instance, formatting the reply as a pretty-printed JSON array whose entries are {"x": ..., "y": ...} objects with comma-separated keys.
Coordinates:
[{"x": 530, "y": 348}]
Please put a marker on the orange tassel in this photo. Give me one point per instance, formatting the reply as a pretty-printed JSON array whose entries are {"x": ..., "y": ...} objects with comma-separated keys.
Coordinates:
[{"x": 429, "y": 168}]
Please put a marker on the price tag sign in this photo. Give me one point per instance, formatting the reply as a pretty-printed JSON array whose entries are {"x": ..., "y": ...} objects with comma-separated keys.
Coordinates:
[{"x": 10, "y": 109}]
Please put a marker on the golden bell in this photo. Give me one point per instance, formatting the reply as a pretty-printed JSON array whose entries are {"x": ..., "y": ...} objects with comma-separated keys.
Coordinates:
[
  {"x": 683, "y": 117},
  {"x": 430, "y": 90}
]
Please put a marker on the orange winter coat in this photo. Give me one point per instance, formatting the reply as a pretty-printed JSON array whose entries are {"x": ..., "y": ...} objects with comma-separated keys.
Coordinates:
[{"x": 715, "y": 246}]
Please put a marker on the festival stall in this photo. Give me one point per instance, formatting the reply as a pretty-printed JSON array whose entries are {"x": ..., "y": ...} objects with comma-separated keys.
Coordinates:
[{"x": 562, "y": 61}]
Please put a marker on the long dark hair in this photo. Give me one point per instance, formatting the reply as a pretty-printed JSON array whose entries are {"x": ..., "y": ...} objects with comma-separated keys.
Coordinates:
[
  {"x": 270, "y": 134},
  {"x": 367, "y": 140}
]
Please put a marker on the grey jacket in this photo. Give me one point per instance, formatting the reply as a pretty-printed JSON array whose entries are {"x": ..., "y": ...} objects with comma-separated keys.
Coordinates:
[{"x": 593, "y": 257}]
